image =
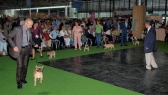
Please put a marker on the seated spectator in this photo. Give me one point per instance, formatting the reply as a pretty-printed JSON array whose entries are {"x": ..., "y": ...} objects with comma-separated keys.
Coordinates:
[
  {"x": 84, "y": 35},
  {"x": 61, "y": 39},
  {"x": 54, "y": 34},
  {"x": 46, "y": 40},
  {"x": 70, "y": 34},
  {"x": 65, "y": 35},
  {"x": 144, "y": 33},
  {"x": 3, "y": 43},
  {"x": 91, "y": 35},
  {"x": 47, "y": 25},
  {"x": 116, "y": 35},
  {"x": 109, "y": 34}
]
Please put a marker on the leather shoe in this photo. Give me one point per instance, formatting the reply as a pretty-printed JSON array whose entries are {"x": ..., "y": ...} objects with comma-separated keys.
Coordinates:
[
  {"x": 24, "y": 81},
  {"x": 19, "y": 86},
  {"x": 41, "y": 56}
]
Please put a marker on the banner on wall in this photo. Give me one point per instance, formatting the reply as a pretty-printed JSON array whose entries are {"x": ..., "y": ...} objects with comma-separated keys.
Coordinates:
[
  {"x": 92, "y": 16},
  {"x": 28, "y": 3},
  {"x": 77, "y": 4}
]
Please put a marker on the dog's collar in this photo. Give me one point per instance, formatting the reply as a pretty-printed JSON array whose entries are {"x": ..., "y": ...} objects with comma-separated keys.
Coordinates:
[{"x": 39, "y": 71}]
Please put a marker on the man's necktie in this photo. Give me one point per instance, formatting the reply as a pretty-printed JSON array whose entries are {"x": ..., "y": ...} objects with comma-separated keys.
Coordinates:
[{"x": 27, "y": 31}]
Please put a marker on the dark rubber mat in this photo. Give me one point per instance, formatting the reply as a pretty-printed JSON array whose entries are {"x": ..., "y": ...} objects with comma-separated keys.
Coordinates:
[{"x": 123, "y": 68}]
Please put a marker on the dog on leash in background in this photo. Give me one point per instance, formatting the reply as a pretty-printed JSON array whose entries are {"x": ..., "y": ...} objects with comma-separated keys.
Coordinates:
[
  {"x": 109, "y": 46},
  {"x": 86, "y": 47},
  {"x": 135, "y": 41},
  {"x": 38, "y": 74},
  {"x": 51, "y": 54}
]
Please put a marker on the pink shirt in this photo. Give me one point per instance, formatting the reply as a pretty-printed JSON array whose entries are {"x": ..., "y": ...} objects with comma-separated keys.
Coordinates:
[{"x": 77, "y": 30}]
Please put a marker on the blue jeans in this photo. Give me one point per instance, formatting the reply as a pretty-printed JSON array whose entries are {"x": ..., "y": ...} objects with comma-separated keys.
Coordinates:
[
  {"x": 124, "y": 38},
  {"x": 84, "y": 40},
  {"x": 98, "y": 40},
  {"x": 71, "y": 41},
  {"x": 3, "y": 47}
]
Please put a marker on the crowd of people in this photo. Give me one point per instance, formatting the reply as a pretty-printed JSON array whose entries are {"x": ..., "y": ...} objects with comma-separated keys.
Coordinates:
[
  {"x": 56, "y": 33},
  {"x": 67, "y": 33}
]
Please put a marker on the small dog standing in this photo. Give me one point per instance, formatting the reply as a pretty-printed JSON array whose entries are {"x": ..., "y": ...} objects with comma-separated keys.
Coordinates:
[
  {"x": 38, "y": 74},
  {"x": 136, "y": 43},
  {"x": 109, "y": 46},
  {"x": 86, "y": 47},
  {"x": 51, "y": 54}
]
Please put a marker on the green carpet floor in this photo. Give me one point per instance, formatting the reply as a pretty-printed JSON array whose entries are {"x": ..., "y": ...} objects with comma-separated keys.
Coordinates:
[{"x": 58, "y": 82}]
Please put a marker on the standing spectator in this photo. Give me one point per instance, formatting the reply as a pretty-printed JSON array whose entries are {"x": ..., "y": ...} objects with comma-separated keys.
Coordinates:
[
  {"x": 99, "y": 30},
  {"x": 166, "y": 37},
  {"x": 22, "y": 21},
  {"x": 124, "y": 27},
  {"x": 36, "y": 32},
  {"x": 14, "y": 24},
  {"x": 77, "y": 30},
  {"x": 6, "y": 29},
  {"x": 107, "y": 25}
]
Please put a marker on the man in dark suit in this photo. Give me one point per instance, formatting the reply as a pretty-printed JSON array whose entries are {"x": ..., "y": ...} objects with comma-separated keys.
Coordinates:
[
  {"x": 20, "y": 41},
  {"x": 150, "y": 46},
  {"x": 124, "y": 27}
]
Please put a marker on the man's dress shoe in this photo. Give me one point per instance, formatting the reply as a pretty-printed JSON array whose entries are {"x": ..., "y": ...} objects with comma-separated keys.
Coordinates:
[
  {"x": 19, "y": 86},
  {"x": 24, "y": 81}
]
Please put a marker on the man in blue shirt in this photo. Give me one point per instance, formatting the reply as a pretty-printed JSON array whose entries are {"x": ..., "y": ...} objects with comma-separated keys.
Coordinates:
[
  {"x": 107, "y": 25},
  {"x": 124, "y": 27},
  {"x": 115, "y": 24}
]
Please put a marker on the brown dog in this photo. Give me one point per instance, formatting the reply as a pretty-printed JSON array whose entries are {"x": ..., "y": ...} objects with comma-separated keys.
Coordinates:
[
  {"x": 136, "y": 43},
  {"x": 51, "y": 54},
  {"x": 38, "y": 74},
  {"x": 109, "y": 46},
  {"x": 86, "y": 47}
]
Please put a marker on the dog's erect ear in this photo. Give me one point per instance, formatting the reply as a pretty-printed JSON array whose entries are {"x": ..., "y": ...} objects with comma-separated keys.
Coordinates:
[
  {"x": 36, "y": 66},
  {"x": 42, "y": 67}
]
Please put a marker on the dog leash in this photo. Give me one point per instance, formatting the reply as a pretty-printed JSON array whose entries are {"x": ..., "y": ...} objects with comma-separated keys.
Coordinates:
[{"x": 36, "y": 58}]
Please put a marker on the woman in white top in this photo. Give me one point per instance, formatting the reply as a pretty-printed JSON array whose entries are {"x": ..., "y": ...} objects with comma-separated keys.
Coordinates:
[
  {"x": 64, "y": 35},
  {"x": 70, "y": 34}
]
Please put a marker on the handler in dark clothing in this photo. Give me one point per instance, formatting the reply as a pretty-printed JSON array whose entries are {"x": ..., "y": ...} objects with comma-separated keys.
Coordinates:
[
  {"x": 150, "y": 46},
  {"x": 20, "y": 41}
]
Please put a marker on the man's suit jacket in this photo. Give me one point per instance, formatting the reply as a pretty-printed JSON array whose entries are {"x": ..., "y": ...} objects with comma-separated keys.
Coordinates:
[
  {"x": 150, "y": 41},
  {"x": 124, "y": 28},
  {"x": 15, "y": 38}
]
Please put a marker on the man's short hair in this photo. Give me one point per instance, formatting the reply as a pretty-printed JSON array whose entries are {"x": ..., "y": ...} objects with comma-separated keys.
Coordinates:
[{"x": 148, "y": 22}]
